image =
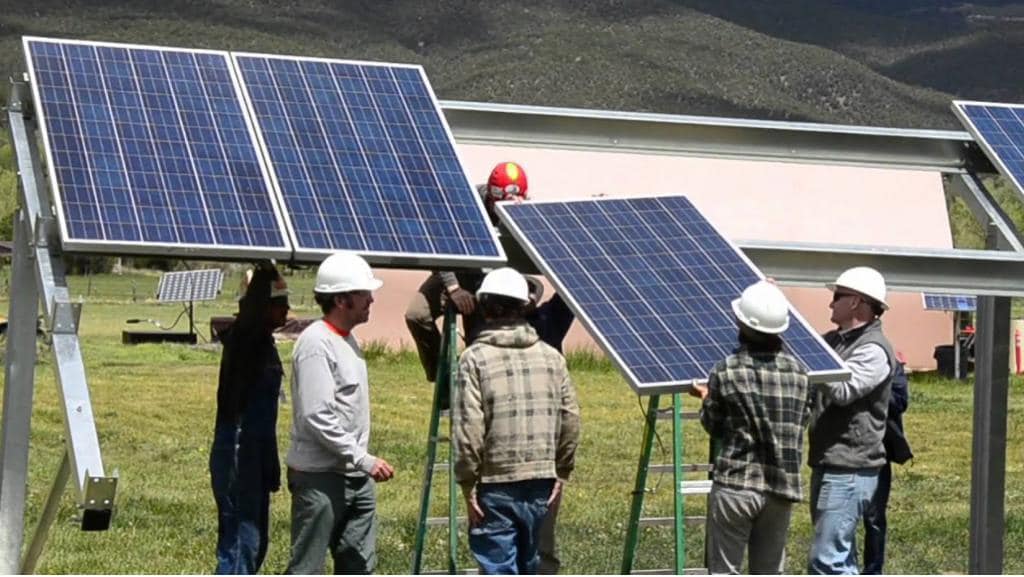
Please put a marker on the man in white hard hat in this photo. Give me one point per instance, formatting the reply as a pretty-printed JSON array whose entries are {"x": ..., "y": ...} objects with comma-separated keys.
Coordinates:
[
  {"x": 331, "y": 474},
  {"x": 756, "y": 405},
  {"x": 516, "y": 428},
  {"x": 847, "y": 423}
]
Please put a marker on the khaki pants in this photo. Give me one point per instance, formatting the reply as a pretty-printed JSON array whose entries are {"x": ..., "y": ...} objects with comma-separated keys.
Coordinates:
[
  {"x": 739, "y": 520},
  {"x": 421, "y": 315}
]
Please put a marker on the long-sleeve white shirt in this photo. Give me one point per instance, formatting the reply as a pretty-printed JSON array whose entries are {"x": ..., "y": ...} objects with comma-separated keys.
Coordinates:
[{"x": 330, "y": 404}]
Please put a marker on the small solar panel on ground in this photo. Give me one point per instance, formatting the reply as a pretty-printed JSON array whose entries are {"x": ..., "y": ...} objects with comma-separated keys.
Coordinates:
[
  {"x": 150, "y": 149},
  {"x": 365, "y": 161},
  {"x": 190, "y": 285},
  {"x": 999, "y": 130},
  {"x": 652, "y": 280},
  {"x": 935, "y": 302}
]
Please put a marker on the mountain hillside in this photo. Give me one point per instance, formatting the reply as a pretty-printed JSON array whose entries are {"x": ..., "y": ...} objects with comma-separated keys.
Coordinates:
[{"x": 891, "y": 63}]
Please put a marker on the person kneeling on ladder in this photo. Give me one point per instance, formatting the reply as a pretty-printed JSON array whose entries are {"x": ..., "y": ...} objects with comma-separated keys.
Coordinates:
[
  {"x": 516, "y": 426},
  {"x": 756, "y": 405}
]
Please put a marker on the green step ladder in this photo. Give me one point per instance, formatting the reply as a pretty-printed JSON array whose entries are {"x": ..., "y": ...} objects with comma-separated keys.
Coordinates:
[
  {"x": 681, "y": 488},
  {"x": 444, "y": 388}
]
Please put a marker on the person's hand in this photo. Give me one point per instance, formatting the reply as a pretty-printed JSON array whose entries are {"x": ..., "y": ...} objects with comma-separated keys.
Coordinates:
[
  {"x": 556, "y": 493},
  {"x": 382, "y": 471},
  {"x": 475, "y": 513},
  {"x": 699, "y": 391},
  {"x": 463, "y": 300}
]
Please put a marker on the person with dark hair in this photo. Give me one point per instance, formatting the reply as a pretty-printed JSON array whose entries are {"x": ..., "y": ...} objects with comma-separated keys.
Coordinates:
[
  {"x": 515, "y": 429},
  {"x": 846, "y": 451},
  {"x": 897, "y": 450},
  {"x": 331, "y": 473},
  {"x": 244, "y": 464},
  {"x": 755, "y": 405}
]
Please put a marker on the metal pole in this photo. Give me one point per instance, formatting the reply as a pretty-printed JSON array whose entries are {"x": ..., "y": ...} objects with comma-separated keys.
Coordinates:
[
  {"x": 956, "y": 345},
  {"x": 19, "y": 375},
  {"x": 988, "y": 456},
  {"x": 35, "y": 547}
]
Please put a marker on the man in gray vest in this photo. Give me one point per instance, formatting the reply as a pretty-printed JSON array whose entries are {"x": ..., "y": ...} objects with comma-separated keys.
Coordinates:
[{"x": 848, "y": 421}]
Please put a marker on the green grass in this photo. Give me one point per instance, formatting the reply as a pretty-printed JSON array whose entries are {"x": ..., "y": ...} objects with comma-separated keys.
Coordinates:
[{"x": 154, "y": 407}]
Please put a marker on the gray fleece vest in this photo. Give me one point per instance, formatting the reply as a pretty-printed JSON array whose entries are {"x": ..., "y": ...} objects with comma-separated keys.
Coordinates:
[{"x": 850, "y": 437}]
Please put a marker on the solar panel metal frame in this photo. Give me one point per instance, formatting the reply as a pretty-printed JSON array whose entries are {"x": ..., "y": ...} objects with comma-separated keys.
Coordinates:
[
  {"x": 377, "y": 258},
  {"x": 597, "y": 335},
  {"x": 205, "y": 285},
  {"x": 958, "y": 109},
  {"x": 925, "y": 296},
  {"x": 182, "y": 250}
]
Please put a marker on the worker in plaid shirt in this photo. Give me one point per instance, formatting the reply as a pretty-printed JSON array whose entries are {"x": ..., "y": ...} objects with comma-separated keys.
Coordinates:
[{"x": 756, "y": 405}]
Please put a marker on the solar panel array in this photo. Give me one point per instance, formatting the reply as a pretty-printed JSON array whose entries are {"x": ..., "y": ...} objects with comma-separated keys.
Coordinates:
[
  {"x": 999, "y": 130},
  {"x": 206, "y": 153},
  {"x": 652, "y": 280},
  {"x": 363, "y": 158},
  {"x": 151, "y": 147},
  {"x": 190, "y": 285},
  {"x": 935, "y": 302}
]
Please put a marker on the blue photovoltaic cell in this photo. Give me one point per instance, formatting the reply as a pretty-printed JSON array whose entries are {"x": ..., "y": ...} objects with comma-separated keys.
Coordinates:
[
  {"x": 999, "y": 129},
  {"x": 150, "y": 146},
  {"x": 363, "y": 158},
  {"x": 935, "y": 302},
  {"x": 653, "y": 280}
]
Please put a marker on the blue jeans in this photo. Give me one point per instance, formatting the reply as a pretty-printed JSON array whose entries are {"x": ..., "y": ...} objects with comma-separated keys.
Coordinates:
[
  {"x": 875, "y": 524},
  {"x": 505, "y": 542},
  {"x": 242, "y": 494},
  {"x": 839, "y": 498}
]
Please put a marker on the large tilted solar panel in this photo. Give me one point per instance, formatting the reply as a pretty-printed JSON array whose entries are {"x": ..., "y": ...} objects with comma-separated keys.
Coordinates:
[
  {"x": 999, "y": 130},
  {"x": 190, "y": 285},
  {"x": 365, "y": 161},
  {"x": 935, "y": 302},
  {"x": 652, "y": 281},
  {"x": 150, "y": 151}
]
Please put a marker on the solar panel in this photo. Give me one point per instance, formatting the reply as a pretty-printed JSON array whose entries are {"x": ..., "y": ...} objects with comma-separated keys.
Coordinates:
[
  {"x": 151, "y": 151},
  {"x": 999, "y": 130},
  {"x": 652, "y": 280},
  {"x": 190, "y": 285},
  {"x": 365, "y": 161},
  {"x": 934, "y": 302}
]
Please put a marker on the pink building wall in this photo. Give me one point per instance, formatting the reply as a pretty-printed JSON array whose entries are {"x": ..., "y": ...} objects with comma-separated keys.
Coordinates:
[{"x": 769, "y": 201}]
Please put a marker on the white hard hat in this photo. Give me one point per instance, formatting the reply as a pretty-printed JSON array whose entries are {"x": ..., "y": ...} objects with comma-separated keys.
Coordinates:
[
  {"x": 345, "y": 272},
  {"x": 506, "y": 282},
  {"x": 865, "y": 280},
  {"x": 763, "y": 308}
]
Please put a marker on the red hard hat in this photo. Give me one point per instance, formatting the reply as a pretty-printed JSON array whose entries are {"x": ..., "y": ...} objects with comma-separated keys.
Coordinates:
[{"x": 507, "y": 180}]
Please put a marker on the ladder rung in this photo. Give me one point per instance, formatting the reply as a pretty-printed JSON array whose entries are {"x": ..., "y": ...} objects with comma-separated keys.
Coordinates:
[
  {"x": 690, "y": 571},
  {"x": 443, "y": 521},
  {"x": 440, "y": 439},
  {"x": 458, "y": 572},
  {"x": 445, "y": 413},
  {"x": 688, "y": 468},
  {"x": 666, "y": 415},
  {"x": 667, "y": 521},
  {"x": 440, "y": 467},
  {"x": 701, "y": 487}
]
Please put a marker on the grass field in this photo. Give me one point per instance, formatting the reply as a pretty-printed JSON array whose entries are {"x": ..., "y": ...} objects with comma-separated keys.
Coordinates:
[{"x": 154, "y": 407}]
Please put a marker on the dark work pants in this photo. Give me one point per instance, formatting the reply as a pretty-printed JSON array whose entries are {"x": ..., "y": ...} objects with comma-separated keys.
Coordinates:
[{"x": 875, "y": 525}]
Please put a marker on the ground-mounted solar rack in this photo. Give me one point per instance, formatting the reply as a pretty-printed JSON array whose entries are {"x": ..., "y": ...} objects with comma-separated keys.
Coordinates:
[
  {"x": 156, "y": 151},
  {"x": 995, "y": 274},
  {"x": 960, "y": 306}
]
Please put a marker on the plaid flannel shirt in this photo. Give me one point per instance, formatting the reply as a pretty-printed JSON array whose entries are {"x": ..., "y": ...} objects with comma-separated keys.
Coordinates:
[
  {"x": 515, "y": 415},
  {"x": 758, "y": 405}
]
